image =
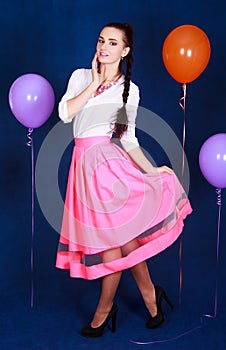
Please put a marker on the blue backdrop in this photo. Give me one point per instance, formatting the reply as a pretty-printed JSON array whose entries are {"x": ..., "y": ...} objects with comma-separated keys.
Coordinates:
[{"x": 52, "y": 38}]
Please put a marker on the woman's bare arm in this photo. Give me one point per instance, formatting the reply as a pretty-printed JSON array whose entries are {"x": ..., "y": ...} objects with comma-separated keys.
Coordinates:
[
  {"x": 76, "y": 103},
  {"x": 141, "y": 160}
]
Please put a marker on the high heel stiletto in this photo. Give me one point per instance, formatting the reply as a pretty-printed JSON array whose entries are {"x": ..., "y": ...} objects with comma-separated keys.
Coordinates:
[
  {"x": 157, "y": 320},
  {"x": 89, "y": 331}
]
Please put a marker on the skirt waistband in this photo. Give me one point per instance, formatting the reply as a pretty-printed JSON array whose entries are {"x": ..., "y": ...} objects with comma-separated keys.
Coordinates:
[{"x": 91, "y": 140}]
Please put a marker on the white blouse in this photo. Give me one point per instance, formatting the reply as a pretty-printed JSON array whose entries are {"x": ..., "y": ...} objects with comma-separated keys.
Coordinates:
[{"x": 98, "y": 116}]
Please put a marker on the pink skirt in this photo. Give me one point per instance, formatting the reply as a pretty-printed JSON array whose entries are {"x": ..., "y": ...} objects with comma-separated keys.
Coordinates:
[{"x": 110, "y": 203}]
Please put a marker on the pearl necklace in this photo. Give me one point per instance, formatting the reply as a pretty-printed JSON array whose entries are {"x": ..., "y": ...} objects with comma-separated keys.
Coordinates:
[{"x": 104, "y": 87}]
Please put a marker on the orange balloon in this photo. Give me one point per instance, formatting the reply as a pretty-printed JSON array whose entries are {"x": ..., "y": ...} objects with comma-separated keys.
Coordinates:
[{"x": 186, "y": 53}]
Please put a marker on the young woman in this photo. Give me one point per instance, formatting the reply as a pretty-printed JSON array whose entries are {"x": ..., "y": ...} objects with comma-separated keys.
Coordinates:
[{"x": 119, "y": 208}]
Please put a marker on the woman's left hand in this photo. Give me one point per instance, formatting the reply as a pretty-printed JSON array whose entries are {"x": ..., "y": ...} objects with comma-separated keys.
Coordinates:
[{"x": 162, "y": 169}]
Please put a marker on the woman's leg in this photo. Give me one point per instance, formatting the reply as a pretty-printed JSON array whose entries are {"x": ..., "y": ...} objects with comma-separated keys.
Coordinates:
[
  {"x": 109, "y": 288},
  {"x": 143, "y": 280},
  {"x": 142, "y": 277}
]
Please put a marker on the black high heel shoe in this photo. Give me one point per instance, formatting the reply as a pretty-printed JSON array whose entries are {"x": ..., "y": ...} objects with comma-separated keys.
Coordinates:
[
  {"x": 89, "y": 331},
  {"x": 158, "y": 320}
]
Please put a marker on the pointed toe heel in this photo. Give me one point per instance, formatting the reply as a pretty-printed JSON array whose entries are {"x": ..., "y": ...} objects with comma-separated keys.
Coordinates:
[
  {"x": 90, "y": 332},
  {"x": 158, "y": 320}
]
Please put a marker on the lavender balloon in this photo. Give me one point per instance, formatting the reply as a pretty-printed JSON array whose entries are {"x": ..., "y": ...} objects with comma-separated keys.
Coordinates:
[
  {"x": 212, "y": 160},
  {"x": 31, "y": 99}
]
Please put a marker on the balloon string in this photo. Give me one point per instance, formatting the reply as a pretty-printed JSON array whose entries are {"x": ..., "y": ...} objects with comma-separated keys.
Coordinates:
[
  {"x": 182, "y": 103},
  {"x": 170, "y": 339},
  {"x": 218, "y": 191},
  {"x": 30, "y": 144},
  {"x": 29, "y": 136}
]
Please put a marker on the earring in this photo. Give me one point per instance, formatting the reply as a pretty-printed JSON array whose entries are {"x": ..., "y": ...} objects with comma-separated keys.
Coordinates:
[{"x": 122, "y": 58}]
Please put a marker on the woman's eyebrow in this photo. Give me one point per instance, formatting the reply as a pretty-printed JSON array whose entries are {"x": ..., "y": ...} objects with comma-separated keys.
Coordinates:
[{"x": 101, "y": 37}]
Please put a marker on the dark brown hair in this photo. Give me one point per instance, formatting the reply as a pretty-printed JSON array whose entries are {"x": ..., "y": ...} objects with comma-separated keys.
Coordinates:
[{"x": 121, "y": 123}]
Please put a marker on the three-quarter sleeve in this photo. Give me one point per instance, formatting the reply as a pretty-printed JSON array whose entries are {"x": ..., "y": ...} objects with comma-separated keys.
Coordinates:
[
  {"x": 129, "y": 140},
  {"x": 73, "y": 89}
]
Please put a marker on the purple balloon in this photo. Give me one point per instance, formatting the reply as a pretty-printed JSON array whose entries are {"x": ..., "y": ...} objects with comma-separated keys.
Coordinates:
[
  {"x": 212, "y": 160},
  {"x": 31, "y": 99}
]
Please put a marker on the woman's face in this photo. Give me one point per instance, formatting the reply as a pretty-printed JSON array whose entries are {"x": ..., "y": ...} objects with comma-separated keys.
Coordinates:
[{"x": 110, "y": 46}]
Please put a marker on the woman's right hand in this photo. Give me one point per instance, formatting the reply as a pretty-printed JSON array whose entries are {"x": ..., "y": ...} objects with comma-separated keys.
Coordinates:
[
  {"x": 98, "y": 75},
  {"x": 75, "y": 104}
]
